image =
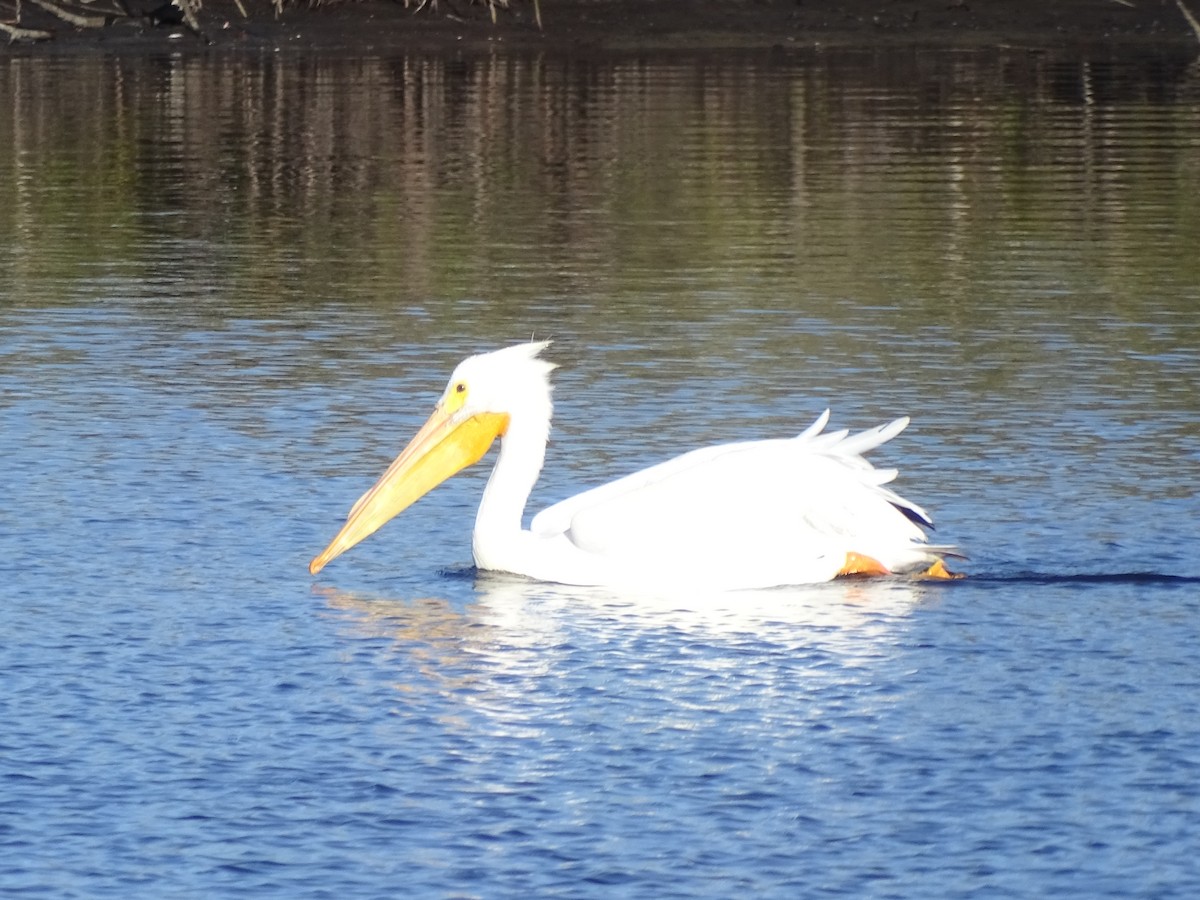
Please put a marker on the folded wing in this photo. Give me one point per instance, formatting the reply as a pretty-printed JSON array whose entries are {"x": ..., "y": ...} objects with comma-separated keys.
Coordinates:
[{"x": 790, "y": 508}]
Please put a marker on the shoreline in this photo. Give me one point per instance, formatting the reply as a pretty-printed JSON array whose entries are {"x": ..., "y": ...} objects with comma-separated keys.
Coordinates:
[{"x": 385, "y": 26}]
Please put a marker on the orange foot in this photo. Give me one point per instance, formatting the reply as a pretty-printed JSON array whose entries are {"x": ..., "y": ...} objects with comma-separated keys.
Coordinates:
[
  {"x": 939, "y": 572},
  {"x": 858, "y": 565}
]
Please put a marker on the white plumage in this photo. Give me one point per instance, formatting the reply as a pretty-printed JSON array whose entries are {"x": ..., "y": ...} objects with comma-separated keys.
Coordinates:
[{"x": 743, "y": 515}]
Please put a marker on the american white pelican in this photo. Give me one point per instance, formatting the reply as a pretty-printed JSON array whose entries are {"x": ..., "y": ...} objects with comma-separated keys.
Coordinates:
[{"x": 746, "y": 515}]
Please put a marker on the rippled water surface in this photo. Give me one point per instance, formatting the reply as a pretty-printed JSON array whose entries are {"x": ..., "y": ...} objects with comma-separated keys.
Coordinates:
[{"x": 234, "y": 286}]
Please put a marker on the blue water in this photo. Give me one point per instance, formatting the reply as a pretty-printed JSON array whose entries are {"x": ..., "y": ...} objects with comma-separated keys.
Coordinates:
[{"x": 187, "y": 713}]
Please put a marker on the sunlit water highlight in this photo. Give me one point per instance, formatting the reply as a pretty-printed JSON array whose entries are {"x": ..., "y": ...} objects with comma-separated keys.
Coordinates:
[{"x": 208, "y": 350}]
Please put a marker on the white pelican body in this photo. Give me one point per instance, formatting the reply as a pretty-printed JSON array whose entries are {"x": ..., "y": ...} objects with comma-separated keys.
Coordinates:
[{"x": 754, "y": 514}]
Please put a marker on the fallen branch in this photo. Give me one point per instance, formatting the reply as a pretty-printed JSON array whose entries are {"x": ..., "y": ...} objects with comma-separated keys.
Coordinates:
[
  {"x": 420, "y": 5},
  {"x": 1191, "y": 20},
  {"x": 191, "y": 14},
  {"x": 73, "y": 18},
  {"x": 17, "y": 33}
]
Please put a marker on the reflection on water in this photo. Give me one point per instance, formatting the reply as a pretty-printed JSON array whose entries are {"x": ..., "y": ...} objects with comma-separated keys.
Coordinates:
[
  {"x": 232, "y": 287},
  {"x": 563, "y": 668},
  {"x": 512, "y": 623},
  {"x": 938, "y": 175}
]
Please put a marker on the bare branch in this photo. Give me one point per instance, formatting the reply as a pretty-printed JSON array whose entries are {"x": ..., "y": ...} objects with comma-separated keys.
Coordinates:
[
  {"x": 1191, "y": 20},
  {"x": 74, "y": 18},
  {"x": 17, "y": 33}
]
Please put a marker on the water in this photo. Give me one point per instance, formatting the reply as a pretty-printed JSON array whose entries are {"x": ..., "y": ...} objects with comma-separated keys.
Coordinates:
[{"x": 233, "y": 288}]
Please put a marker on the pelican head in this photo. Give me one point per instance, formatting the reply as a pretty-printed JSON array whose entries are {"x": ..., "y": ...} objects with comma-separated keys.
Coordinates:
[{"x": 485, "y": 395}]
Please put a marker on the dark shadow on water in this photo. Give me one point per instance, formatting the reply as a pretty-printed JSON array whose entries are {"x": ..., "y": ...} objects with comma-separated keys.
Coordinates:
[
  {"x": 1066, "y": 578},
  {"x": 458, "y": 573}
]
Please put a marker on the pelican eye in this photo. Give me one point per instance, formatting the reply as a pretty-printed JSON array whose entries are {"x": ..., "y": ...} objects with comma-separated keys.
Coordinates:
[{"x": 456, "y": 396}]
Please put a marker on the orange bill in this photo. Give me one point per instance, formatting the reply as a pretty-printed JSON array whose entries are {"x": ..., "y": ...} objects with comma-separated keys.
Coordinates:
[{"x": 445, "y": 445}]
